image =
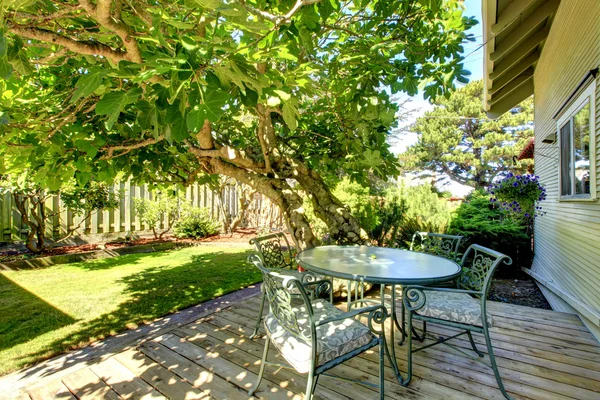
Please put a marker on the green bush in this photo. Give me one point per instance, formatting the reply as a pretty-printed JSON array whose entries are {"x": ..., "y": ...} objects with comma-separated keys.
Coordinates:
[
  {"x": 152, "y": 212},
  {"x": 425, "y": 212},
  {"x": 483, "y": 222},
  {"x": 196, "y": 223},
  {"x": 389, "y": 212}
]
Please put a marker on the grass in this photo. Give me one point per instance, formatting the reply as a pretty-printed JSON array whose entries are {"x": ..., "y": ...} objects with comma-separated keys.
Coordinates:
[{"x": 45, "y": 312}]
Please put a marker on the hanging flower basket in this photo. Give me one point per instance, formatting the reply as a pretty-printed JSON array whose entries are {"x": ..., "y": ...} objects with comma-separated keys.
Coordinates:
[{"x": 519, "y": 195}]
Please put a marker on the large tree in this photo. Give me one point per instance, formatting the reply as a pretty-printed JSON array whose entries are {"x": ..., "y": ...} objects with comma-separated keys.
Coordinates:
[
  {"x": 458, "y": 140},
  {"x": 278, "y": 94}
]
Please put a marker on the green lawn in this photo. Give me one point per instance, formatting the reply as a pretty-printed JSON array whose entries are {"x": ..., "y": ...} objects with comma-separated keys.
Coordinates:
[{"x": 47, "y": 311}]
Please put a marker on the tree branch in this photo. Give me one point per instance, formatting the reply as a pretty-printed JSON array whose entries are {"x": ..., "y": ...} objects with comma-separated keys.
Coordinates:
[
  {"x": 101, "y": 12},
  {"x": 110, "y": 150},
  {"x": 86, "y": 48}
]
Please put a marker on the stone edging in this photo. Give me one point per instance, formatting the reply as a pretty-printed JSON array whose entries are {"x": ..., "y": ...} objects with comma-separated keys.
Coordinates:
[{"x": 12, "y": 385}]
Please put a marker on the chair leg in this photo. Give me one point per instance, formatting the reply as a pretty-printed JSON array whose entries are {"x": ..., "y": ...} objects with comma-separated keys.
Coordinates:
[
  {"x": 310, "y": 385},
  {"x": 488, "y": 343},
  {"x": 409, "y": 338},
  {"x": 262, "y": 368},
  {"x": 473, "y": 345},
  {"x": 382, "y": 367},
  {"x": 260, "y": 313}
]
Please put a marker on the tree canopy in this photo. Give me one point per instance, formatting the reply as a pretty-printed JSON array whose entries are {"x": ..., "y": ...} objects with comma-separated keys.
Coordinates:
[
  {"x": 457, "y": 139},
  {"x": 268, "y": 92}
]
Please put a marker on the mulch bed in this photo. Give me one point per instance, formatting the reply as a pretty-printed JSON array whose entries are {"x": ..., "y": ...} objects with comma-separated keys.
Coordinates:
[
  {"x": 522, "y": 291},
  {"x": 240, "y": 236}
]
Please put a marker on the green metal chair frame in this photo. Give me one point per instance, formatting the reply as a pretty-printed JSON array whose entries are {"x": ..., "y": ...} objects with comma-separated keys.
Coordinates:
[
  {"x": 278, "y": 290},
  {"x": 275, "y": 253},
  {"x": 437, "y": 244},
  {"x": 478, "y": 266}
]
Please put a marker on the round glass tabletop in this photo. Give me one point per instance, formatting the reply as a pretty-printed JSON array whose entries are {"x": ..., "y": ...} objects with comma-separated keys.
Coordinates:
[{"x": 378, "y": 265}]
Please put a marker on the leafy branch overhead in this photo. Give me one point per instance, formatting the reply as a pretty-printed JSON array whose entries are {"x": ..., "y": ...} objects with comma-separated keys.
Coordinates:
[{"x": 170, "y": 92}]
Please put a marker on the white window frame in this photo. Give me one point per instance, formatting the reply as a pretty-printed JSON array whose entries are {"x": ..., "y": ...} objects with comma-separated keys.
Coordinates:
[{"x": 587, "y": 95}]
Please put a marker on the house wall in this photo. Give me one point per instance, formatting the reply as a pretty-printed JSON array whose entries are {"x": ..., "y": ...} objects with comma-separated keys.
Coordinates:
[{"x": 567, "y": 238}]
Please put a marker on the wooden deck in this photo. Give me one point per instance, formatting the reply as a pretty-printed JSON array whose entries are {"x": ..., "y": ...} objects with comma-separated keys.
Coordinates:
[{"x": 541, "y": 354}]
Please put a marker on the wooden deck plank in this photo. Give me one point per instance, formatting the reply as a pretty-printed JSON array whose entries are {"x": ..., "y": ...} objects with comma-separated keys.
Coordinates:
[
  {"x": 51, "y": 390},
  {"x": 227, "y": 370},
  {"x": 123, "y": 381},
  {"x": 166, "y": 382},
  {"x": 86, "y": 385},
  {"x": 220, "y": 327},
  {"x": 250, "y": 352},
  {"x": 197, "y": 376}
]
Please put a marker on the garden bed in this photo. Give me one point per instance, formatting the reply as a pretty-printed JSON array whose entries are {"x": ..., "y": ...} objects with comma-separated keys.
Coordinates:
[
  {"x": 240, "y": 236},
  {"x": 523, "y": 292}
]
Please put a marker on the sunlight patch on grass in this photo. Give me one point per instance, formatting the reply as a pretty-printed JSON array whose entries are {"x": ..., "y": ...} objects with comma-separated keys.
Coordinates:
[{"x": 47, "y": 311}]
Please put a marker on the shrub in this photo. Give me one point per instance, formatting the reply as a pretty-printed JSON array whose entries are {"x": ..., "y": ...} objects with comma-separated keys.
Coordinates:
[
  {"x": 152, "y": 212},
  {"x": 196, "y": 223},
  {"x": 425, "y": 212},
  {"x": 389, "y": 212},
  {"x": 483, "y": 222}
]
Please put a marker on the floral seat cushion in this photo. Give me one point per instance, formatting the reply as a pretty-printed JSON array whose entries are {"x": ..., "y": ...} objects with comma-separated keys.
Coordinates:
[
  {"x": 333, "y": 339},
  {"x": 452, "y": 306}
]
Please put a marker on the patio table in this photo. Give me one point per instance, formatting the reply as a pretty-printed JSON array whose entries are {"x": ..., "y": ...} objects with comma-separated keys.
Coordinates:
[{"x": 384, "y": 266}]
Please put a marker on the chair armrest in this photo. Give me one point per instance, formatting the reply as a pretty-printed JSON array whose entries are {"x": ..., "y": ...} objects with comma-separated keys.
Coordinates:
[
  {"x": 377, "y": 314},
  {"x": 414, "y": 297}
]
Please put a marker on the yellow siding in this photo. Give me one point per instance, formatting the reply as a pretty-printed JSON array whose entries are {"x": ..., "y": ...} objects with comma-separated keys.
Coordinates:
[{"x": 567, "y": 238}]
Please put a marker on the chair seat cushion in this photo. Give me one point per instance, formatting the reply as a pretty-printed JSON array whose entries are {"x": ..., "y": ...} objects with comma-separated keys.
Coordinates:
[
  {"x": 452, "y": 306},
  {"x": 333, "y": 339}
]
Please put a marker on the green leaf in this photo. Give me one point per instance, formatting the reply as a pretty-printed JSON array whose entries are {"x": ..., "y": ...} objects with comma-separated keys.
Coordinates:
[
  {"x": 88, "y": 83},
  {"x": 214, "y": 102},
  {"x": 206, "y": 4},
  {"x": 5, "y": 69},
  {"x": 112, "y": 103},
  {"x": 188, "y": 43},
  {"x": 3, "y": 43},
  {"x": 195, "y": 118},
  {"x": 282, "y": 95},
  {"x": 289, "y": 116},
  {"x": 179, "y": 131},
  {"x": 273, "y": 101},
  {"x": 20, "y": 63}
]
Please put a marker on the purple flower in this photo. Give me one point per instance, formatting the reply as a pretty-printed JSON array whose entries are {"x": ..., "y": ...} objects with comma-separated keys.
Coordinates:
[
  {"x": 510, "y": 175},
  {"x": 515, "y": 184}
]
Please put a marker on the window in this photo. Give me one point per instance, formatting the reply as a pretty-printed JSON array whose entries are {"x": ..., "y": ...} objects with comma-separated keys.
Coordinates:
[{"x": 577, "y": 143}]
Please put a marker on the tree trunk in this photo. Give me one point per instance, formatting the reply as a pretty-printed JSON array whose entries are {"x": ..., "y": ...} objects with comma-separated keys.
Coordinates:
[
  {"x": 343, "y": 226},
  {"x": 35, "y": 241}
]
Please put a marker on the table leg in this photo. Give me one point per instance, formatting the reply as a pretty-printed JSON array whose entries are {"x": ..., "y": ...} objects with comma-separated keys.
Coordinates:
[{"x": 391, "y": 352}]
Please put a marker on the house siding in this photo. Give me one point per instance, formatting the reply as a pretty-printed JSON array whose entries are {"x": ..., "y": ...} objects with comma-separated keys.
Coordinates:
[{"x": 567, "y": 238}]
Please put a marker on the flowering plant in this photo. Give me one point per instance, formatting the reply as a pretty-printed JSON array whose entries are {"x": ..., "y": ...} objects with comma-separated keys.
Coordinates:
[{"x": 519, "y": 194}]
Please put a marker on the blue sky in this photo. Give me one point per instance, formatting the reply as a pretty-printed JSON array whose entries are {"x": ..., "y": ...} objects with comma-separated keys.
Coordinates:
[{"x": 473, "y": 62}]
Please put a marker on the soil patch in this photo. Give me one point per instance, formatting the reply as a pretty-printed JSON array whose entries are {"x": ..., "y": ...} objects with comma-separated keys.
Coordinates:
[
  {"x": 522, "y": 291},
  {"x": 240, "y": 236}
]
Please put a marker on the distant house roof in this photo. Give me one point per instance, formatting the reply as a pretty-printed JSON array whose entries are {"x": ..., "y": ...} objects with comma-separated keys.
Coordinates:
[
  {"x": 527, "y": 151},
  {"x": 514, "y": 33}
]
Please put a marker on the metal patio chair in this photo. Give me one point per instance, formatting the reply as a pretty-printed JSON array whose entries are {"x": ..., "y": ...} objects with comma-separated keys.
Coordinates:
[
  {"x": 463, "y": 308},
  {"x": 275, "y": 253},
  {"x": 437, "y": 244},
  {"x": 314, "y": 336}
]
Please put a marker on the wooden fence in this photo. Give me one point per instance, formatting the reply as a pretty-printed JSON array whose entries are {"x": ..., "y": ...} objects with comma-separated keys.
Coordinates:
[{"x": 122, "y": 220}]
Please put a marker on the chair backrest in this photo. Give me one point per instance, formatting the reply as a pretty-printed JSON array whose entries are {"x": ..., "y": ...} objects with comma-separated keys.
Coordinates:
[
  {"x": 437, "y": 244},
  {"x": 278, "y": 289},
  {"x": 478, "y": 266},
  {"x": 274, "y": 250}
]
